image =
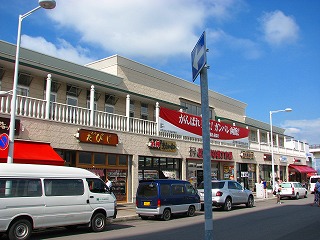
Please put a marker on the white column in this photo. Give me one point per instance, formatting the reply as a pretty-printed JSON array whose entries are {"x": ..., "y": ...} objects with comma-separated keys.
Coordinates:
[
  {"x": 48, "y": 93},
  {"x": 258, "y": 138},
  {"x": 128, "y": 111},
  {"x": 158, "y": 117},
  {"x": 91, "y": 105}
]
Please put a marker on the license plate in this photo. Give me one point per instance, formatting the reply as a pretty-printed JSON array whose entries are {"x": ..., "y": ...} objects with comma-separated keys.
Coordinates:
[{"x": 146, "y": 203}]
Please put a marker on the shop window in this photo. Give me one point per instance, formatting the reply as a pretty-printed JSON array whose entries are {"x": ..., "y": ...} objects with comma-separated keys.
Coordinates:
[
  {"x": 99, "y": 158},
  {"x": 2, "y": 71},
  {"x": 263, "y": 138},
  {"x": 72, "y": 101},
  {"x": 170, "y": 164},
  {"x": 73, "y": 91},
  {"x": 148, "y": 162},
  {"x": 69, "y": 157},
  {"x": 155, "y": 167},
  {"x": 141, "y": 161},
  {"x": 131, "y": 108},
  {"x": 112, "y": 159},
  {"x": 163, "y": 162},
  {"x": 111, "y": 99},
  {"x": 193, "y": 108},
  {"x": 144, "y": 111},
  {"x": 85, "y": 158},
  {"x": 24, "y": 79},
  {"x": 253, "y": 136},
  {"x": 109, "y": 108},
  {"x": 123, "y": 160},
  {"x": 156, "y": 162},
  {"x": 23, "y": 91}
]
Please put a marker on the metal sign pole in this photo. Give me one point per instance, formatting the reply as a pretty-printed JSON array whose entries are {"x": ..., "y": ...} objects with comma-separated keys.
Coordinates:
[
  {"x": 199, "y": 61},
  {"x": 208, "y": 223}
]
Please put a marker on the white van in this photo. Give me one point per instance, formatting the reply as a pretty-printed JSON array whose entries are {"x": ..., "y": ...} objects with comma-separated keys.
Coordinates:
[
  {"x": 312, "y": 182},
  {"x": 41, "y": 196}
]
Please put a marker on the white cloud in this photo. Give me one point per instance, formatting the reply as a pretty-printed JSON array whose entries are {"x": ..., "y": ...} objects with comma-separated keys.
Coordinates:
[
  {"x": 148, "y": 28},
  {"x": 63, "y": 50},
  {"x": 303, "y": 130},
  {"x": 278, "y": 28}
]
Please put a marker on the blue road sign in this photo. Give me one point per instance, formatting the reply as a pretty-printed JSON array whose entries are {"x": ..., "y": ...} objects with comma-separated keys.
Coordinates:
[
  {"x": 4, "y": 141},
  {"x": 198, "y": 56}
]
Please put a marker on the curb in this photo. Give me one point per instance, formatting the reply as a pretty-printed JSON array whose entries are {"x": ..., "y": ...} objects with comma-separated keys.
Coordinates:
[{"x": 125, "y": 218}]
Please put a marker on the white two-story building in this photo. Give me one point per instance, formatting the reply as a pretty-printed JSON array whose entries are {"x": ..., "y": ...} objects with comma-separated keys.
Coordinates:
[{"x": 105, "y": 117}]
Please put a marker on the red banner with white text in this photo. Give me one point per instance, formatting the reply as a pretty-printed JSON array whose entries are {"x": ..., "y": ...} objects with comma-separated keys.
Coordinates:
[{"x": 190, "y": 125}]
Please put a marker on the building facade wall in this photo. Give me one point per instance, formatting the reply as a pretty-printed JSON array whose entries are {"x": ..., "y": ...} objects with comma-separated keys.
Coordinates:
[{"x": 144, "y": 85}]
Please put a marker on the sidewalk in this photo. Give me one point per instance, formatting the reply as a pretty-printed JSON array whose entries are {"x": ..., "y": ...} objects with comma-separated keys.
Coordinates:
[{"x": 127, "y": 211}]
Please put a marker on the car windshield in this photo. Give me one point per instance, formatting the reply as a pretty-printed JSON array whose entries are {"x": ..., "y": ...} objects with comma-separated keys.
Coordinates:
[
  {"x": 147, "y": 190},
  {"x": 215, "y": 185},
  {"x": 286, "y": 185}
]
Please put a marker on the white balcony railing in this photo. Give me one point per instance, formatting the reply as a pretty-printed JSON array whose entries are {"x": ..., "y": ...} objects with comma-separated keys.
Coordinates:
[
  {"x": 36, "y": 108},
  {"x": 59, "y": 112}
]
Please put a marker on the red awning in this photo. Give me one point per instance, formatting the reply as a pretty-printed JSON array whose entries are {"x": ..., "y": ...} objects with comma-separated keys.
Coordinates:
[
  {"x": 32, "y": 153},
  {"x": 303, "y": 168}
]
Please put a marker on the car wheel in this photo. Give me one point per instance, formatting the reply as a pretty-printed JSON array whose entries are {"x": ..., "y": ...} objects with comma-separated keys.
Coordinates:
[
  {"x": 20, "y": 229},
  {"x": 227, "y": 204},
  {"x": 191, "y": 211},
  {"x": 297, "y": 196},
  {"x": 166, "y": 215},
  {"x": 98, "y": 222},
  {"x": 305, "y": 196},
  {"x": 250, "y": 202}
]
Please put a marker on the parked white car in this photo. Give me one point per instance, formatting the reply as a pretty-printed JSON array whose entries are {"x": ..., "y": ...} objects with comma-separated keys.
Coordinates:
[
  {"x": 312, "y": 183},
  {"x": 227, "y": 193},
  {"x": 293, "y": 190}
]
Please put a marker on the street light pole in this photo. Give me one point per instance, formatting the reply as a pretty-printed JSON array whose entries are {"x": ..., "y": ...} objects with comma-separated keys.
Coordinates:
[
  {"x": 48, "y": 4},
  {"x": 272, "y": 157}
]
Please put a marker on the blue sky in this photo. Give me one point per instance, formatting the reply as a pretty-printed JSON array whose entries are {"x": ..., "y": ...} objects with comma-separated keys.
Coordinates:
[{"x": 264, "y": 53}]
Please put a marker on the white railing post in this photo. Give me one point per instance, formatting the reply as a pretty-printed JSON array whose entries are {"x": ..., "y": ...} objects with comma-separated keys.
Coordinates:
[
  {"x": 48, "y": 92},
  {"x": 259, "y": 139},
  {"x": 128, "y": 112},
  {"x": 277, "y": 142},
  {"x": 91, "y": 105},
  {"x": 157, "y": 119}
]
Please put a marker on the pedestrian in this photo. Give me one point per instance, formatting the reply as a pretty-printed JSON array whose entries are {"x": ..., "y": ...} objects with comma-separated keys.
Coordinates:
[
  {"x": 277, "y": 190},
  {"x": 316, "y": 197},
  {"x": 108, "y": 183},
  {"x": 264, "y": 188},
  {"x": 317, "y": 193}
]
